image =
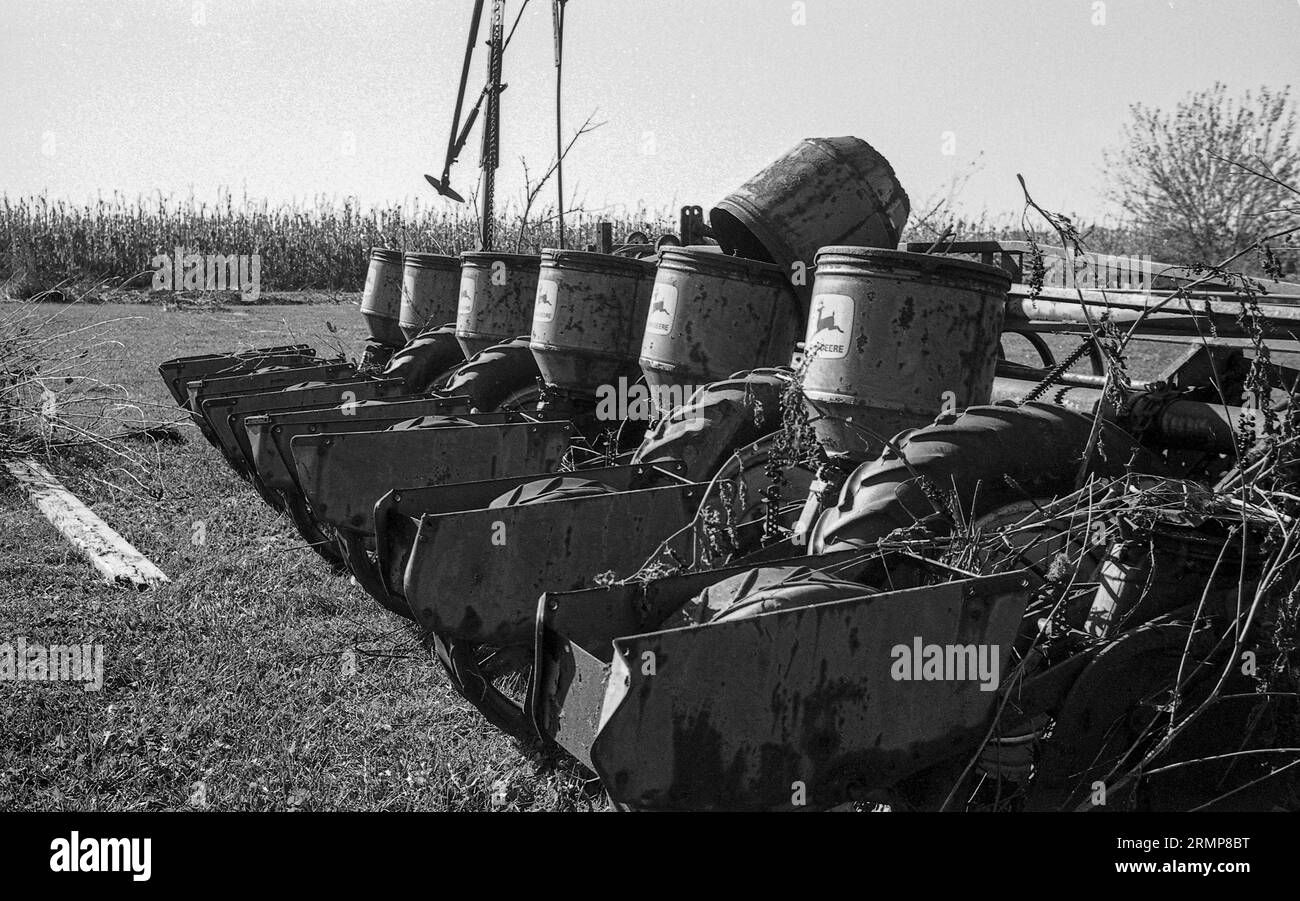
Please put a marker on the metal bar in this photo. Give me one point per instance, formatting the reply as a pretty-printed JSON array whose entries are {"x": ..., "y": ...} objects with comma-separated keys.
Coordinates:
[
  {"x": 557, "y": 13},
  {"x": 452, "y": 143}
]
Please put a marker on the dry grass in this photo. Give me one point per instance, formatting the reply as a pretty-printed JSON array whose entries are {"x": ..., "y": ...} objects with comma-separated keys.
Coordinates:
[{"x": 232, "y": 677}]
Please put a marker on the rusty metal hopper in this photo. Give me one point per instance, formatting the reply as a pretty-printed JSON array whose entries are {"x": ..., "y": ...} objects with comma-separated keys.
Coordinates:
[
  {"x": 398, "y": 514},
  {"x": 575, "y": 631},
  {"x": 177, "y": 372},
  {"x": 793, "y": 708},
  {"x": 269, "y": 434},
  {"x": 257, "y": 382},
  {"x": 224, "y": 413},
  {"x": 344, "y": 475},
  {"x": 475, "y": 574},
  {"x": 822, "y": 191}
]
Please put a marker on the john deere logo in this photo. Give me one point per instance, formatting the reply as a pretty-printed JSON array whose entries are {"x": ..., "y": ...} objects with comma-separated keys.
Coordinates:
[
  {"x": 544, "y": 308},
  {"x": 663, "y": 310},
  {"x": 829, "y": 325}
]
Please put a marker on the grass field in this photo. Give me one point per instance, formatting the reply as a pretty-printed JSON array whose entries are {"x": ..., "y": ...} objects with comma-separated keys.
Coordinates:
[{"x": 229, "y": 689}]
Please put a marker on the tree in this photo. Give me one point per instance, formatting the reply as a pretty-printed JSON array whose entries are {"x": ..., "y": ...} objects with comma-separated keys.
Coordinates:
[{"x": 1185, "y": 177}]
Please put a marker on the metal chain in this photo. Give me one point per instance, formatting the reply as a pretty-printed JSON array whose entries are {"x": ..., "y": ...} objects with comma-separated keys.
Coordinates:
[
  {"x": 493, "y": 145},
  {"x": 491, "y": 127}
]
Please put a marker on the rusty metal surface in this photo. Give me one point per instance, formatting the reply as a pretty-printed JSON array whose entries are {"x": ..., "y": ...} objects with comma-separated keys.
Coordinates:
[
  {"x": 269, "y": 434},
  {"x": 306, "y": 401},
  {"x": 737, "y": 713},
  {"x": 177, "y": 372},
  {"x": 402, "y": 407},
  {"x": 264, "y": 380},
  {"x": 1051, "y": 309},
  {"x": 822, "y": 191},
  {"x": 224, "y": 413},
  {"x": 573, "y": 694},
  {"x": 459, "y": 582},
  {"x": 496, "y": 297},
  {"x": 575, "y": 631},
  {"x": 381, "y": 299},
  {"x": 256, "y": 382},
  {"x": 430, "y": 283},
  {"x": 398, "y": 513},
  {"x": 475, "y": 495},
  {"x": 713, "y": 315},
  {"x": 443, "y": 420},
  {"x": 589, "y": 317},
  {"x": 385, "y": 416},
  {"x": 896, "y": 338},
  {"x": 344, "y": 475},
  {"x": 1091, "y": 270}
]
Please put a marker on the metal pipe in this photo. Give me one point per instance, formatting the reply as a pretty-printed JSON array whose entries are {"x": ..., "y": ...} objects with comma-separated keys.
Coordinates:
[
  {"x": 464, "y": 81},
  {"x": 1046, "y": 316},
  {"x": 557, "y": 13},
  {"x": 1024, "y": 303}
]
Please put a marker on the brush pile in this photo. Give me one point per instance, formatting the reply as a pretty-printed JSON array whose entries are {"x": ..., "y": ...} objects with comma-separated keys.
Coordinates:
[{"x": 53, "y": 400}]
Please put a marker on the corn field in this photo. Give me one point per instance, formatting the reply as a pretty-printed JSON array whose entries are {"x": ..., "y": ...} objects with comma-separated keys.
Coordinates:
[
  {"x": 323, "y": 246},
  {"x": 49, "y": 244}
]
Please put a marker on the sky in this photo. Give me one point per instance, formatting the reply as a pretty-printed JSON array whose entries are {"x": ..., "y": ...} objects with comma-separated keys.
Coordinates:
[{"x": 290, "y": 100}]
